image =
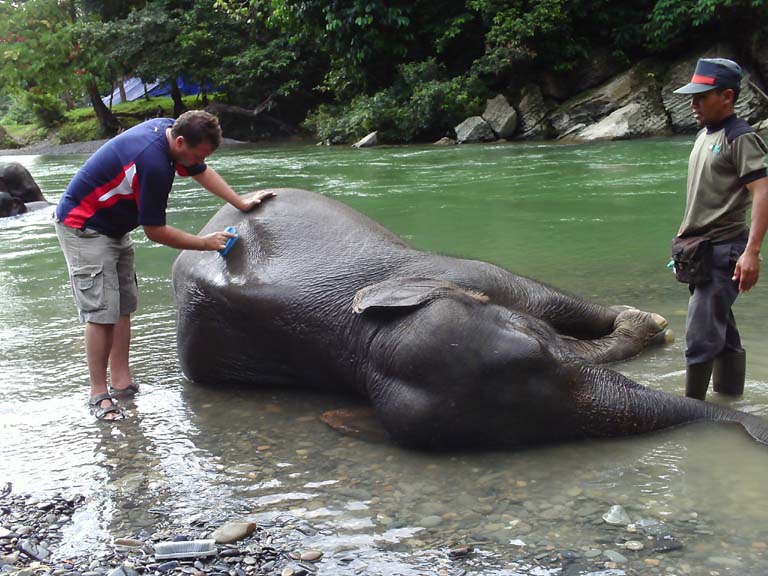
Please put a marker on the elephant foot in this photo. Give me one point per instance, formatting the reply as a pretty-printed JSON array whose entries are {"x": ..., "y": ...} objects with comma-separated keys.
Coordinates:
[
  {"x": 359, "y": 422},
  {"x": 651, "y": 327}
]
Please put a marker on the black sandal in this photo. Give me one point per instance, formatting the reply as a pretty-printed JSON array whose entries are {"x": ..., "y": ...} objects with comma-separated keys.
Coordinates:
[
  {"x": 123, "y": 392},
  {"x": 100, "y": 412}
]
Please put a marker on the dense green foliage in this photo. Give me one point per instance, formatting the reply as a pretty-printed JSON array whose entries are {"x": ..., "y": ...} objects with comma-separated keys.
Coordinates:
[{"x": 409, "y": 68}]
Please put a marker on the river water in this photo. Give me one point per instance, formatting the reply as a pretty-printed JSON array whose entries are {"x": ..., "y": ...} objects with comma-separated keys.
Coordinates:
[{"x": 593, "y": 219}]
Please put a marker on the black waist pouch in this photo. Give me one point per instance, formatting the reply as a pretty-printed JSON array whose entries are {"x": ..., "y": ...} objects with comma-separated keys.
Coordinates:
[{"x": 693, "y": 259}]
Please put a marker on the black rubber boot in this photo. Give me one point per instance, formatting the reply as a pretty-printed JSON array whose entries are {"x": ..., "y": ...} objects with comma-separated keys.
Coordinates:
[
  {"x": 697, "y": 379},
  {"x": 729, "y": 373}
]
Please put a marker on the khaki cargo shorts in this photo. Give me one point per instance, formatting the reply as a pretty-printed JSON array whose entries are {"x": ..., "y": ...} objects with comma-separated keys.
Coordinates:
[{"x": 101, "y": 270}]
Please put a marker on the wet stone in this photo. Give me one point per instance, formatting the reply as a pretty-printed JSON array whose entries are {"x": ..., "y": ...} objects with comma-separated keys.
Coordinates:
[
  {"x": 38, "y": 552},
  {"x": 123, "y": 571},
  {"x": 726, "y": 562},
  {"x": 168, "y": 566},
  {"x": 593, "y": 553},
  {"x": 229, "y": 552},
  {"x": 650, "y": 526},
  {"x": 615, "y": 557},
  {"x": 616, "y": 516},
  {"x": 233, "y": 531},
  {"x": 666, "y": 543},
  {"x": 311, "y": 556},
  {"x": 460, "y": 552}
]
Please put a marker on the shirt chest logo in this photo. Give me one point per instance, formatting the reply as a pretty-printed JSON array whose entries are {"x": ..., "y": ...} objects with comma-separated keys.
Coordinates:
[
  {"x": 715, "y": 149},
  {"x": 121, "y": 187}
]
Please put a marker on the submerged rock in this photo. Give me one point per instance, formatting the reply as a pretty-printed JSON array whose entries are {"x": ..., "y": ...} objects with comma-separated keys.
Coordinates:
[{"x": 616, "y": 516}]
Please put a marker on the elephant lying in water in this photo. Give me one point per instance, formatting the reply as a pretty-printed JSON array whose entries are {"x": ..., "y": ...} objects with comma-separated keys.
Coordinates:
[{"x": 450, "y": 353}]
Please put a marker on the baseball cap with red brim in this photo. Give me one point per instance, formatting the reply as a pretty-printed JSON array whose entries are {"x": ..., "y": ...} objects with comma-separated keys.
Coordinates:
[{"x": 712, "y": 73}]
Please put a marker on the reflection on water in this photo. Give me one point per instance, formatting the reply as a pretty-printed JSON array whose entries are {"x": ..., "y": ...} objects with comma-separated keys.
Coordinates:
[{"x": 595, "y": 220}]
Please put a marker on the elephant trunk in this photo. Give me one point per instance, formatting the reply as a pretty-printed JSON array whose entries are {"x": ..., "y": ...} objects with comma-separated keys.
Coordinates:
[{"x": 609, "y": 404}]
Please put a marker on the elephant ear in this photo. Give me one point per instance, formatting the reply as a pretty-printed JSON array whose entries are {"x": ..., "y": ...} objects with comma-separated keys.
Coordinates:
[{"x": 407, "y": 293}]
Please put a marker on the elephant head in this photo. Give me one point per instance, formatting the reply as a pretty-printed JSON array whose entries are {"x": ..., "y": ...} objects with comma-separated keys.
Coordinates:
[
  {"x": 16, "y": 180},
  {"x": 11, "y": 205}
]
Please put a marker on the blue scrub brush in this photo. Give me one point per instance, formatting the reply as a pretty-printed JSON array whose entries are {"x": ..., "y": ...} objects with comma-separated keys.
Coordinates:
[{"x": 230, "y": 241}]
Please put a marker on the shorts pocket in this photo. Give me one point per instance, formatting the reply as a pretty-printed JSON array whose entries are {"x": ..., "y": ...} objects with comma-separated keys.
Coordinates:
[{"x": 88, "y": 287}]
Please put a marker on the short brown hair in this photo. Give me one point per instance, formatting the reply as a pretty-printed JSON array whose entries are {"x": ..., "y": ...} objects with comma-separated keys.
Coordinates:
[{"x": 197, "y": 126}]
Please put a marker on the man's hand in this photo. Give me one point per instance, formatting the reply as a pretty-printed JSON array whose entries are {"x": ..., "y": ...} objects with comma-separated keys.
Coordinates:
[
  {"x": 249, "y": 204},
  {"x": 747, "y": 270},
  {"x": 216, "y": 240}
]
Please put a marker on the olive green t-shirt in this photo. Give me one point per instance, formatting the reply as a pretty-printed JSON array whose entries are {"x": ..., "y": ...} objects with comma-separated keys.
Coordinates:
[{"x": 725, "y": 158}]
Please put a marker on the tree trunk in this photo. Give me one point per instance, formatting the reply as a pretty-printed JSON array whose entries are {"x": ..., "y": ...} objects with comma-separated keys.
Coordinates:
[
  {"x": 203, "y": 93},
  {"x": 178, "y": 104},
  {"x": 108, "y": 124},
  {"x": 121, "y": 86}
]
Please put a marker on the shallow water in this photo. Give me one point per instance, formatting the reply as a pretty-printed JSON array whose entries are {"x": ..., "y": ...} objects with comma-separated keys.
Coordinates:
[{"x": 595, "y": 220}]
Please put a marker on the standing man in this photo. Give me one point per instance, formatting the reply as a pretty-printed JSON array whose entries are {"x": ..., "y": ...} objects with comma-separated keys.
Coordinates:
[
  {"x": 124, "y": 185},
  {"x": 726, "y": 175}
]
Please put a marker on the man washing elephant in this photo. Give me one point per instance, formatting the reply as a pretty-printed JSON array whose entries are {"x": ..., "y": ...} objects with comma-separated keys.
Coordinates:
[
  {"x": 126, "y": 184},
  {"x": 715, "y": 253}
]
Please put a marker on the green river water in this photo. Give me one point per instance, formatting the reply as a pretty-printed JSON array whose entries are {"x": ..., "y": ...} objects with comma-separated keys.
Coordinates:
[{"x": 595, "y": 220}]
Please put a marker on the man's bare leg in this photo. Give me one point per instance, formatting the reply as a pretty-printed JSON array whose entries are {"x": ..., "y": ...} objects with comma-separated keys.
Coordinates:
[
  {"x": 98, "y": 343},
  {"x": 119, "y": 371}
]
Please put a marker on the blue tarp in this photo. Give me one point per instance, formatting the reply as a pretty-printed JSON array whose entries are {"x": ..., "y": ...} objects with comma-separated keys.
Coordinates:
[{"x": 134, "y": 89}]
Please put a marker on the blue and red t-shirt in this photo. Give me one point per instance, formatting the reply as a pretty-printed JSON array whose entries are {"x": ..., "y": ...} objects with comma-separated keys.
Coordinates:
[{"x": 125, "y": 184}]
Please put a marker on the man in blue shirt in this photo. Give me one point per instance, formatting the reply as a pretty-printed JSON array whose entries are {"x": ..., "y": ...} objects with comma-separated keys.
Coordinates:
[{"x": 124, "y": 185}]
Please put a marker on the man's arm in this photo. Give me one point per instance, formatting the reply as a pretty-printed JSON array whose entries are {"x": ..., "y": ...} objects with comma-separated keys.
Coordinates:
[
  {"x": 748, "y": 266},
  {"x": 176, "y": 238},
  {"x": 211, "y": 181}
]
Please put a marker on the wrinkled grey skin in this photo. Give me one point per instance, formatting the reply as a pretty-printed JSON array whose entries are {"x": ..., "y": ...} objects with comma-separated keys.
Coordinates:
[
  {"x": 450, "y": 353},
  {"x": 19, "y": 193}
]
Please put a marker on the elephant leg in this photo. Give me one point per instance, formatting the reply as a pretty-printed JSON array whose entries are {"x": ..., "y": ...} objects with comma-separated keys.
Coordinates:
[
  {"x": 566, "y": 313},
  {"x": 633, "y": 331},
  {"x": 578, "y": 318}
]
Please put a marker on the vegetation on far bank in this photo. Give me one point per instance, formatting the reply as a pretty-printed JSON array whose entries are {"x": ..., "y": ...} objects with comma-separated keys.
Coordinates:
[
  {"x": 81, "y": 124},
  {"x": 410, "y": 69}
]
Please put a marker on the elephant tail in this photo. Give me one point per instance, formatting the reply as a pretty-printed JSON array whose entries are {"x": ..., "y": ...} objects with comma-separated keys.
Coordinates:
[
  {"x": 610, "y": 404},
  {"x": 755, "y": 426}
]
